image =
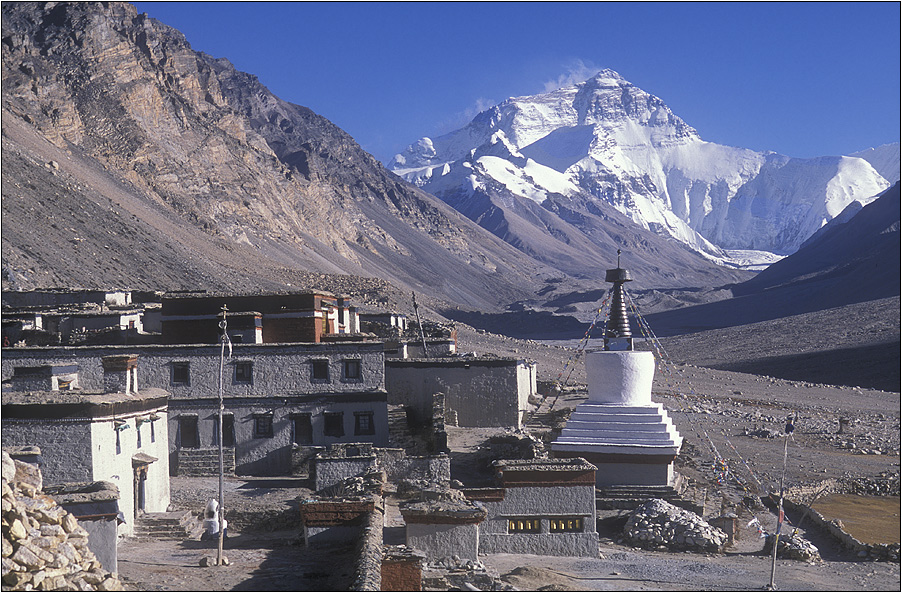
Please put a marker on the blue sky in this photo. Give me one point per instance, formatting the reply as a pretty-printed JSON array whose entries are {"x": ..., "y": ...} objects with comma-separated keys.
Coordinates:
[{"x": 802, "y": 79}]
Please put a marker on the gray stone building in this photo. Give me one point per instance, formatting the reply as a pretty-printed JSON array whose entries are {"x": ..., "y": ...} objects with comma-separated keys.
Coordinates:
[
  {"x": 542, "y": 506},
  {"x": 479, "y": 392},
  {"x": 277, "y": 397}
]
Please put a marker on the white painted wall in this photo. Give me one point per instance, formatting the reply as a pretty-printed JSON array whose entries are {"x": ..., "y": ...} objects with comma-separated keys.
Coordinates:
[{"x": 116, "y": 467}]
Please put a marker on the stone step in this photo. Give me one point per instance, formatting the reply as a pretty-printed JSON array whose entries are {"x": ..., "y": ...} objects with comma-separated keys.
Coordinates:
[{"x": 167, "y": 525}]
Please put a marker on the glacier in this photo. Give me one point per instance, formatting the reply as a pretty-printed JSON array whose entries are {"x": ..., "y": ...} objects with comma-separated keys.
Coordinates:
[{"x": 605, "y": 142}]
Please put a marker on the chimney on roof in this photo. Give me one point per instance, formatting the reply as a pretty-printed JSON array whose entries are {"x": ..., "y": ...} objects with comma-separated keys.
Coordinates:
[
  {"x": 120, "y": 373},
  {"x": 49, "y": 377}
]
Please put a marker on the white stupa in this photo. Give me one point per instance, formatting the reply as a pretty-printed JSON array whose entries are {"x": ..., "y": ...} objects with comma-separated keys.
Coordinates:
[{"x": 619, "y": 429}]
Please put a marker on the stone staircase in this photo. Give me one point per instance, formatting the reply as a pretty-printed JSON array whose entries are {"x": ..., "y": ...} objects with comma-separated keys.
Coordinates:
[
  {"x": 177, "y": 525},
  {"x": 205, "y": 462}
]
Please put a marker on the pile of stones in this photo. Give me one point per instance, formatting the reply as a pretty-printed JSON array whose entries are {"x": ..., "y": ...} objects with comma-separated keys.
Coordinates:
[
  {"x": 793, "y": 547},
  {"x": 659, "y": 524},
  {"x": 44, "y": 547}
]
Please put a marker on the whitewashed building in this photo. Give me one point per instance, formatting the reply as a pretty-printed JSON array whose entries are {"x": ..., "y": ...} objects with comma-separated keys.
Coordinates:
[{"x": 117, "y": 434}]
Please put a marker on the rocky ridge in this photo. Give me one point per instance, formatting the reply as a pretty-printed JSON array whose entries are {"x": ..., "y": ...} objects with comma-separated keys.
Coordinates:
[{"x": 148, "y": 165}]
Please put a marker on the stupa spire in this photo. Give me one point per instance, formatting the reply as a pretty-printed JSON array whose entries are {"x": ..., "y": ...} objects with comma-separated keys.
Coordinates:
[{"x": 617, "y": 333}]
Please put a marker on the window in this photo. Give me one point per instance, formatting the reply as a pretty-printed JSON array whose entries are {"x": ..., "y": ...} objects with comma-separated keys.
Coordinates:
[
  {"x": 187, "y": 436},
  {"x": 333, "y": 425},
  {"x": 263, "y": 426},
  {"x": 302, "y": 429},
  {"x": 138, "y": 432},
  {"x": 363, "y": 423},
  {"x": 244, "y": 372},
  {"x": 566, "y": 525},
  {"x": 181, "y": 373},
  {"x": 228, "y": 430},
  {"x": 153, "y": 434},
  {"x": 352, "y": 369},
  {"x": 524, "y": 525},
  {"x": 319, "y": 370}
]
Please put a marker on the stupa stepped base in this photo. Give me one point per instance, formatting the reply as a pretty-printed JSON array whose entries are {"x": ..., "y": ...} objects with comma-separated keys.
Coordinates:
[{"x": 630, "y": 444}]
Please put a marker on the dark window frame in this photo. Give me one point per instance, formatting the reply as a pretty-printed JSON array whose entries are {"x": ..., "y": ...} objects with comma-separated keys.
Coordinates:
[
  {"x": 364, "y": 428},
  {"x": 319, "y": 366},
  {"x": 263, "y": 426},
  {"x": 184, "y": 421},
  {"x": 178, "y": 367},
  {"x": 301, "y": 416},
  {"x": 228, "y": 430},
  {"x": 244, "y": 372},
  {"x": 329, "y": 418},
  {"x": 352, "y": 369}
]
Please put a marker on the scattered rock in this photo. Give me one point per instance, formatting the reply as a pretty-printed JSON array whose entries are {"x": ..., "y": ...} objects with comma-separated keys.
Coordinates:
[
  {"x": 659, "y": 524},
  {"x": 793, "y": 547}
]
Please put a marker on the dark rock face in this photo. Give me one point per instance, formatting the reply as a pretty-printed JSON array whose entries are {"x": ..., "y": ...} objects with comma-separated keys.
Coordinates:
[{"x": 172, "y": 170}]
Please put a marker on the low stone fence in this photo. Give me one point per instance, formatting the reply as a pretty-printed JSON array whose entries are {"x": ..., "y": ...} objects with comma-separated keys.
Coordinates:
[
  {"x": 883, "y": 552},
  {"x": 368, "y": 569},
  {"x": 399, "y": 466}
]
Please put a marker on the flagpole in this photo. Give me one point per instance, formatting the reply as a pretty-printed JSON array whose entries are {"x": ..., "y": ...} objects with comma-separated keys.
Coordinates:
[
  {"x": 222, "y": 325},
  {"x": 773, "y": 566}
]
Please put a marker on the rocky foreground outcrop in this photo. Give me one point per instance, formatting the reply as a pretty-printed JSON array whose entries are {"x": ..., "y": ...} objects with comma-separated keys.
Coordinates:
[{"x": 44, "y": 547}]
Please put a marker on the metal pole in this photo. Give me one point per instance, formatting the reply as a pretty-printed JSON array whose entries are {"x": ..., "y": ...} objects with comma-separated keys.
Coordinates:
[
  {"x": 223, "y": 325},
  {"x": 416, "y": 310},
  {"x": 773, "y": 566}
]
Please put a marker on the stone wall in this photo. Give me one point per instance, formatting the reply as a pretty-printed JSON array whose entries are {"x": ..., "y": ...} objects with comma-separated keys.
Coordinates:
[
  {"x": 277, "y": 368},
  {"x": 44, "y": 547},
  {"x": 65, "y": 446},
  {"x": 398, "y": 466},
  {"x": 439, "y": 541},
  {"x": 482, "y": 393},
  {"x": 885, "y": 552},
  {"x": 368, "y": 567},
  {"x": 332, "y": 470},
  {"x": 96, "y": 506},
  {"x": 282, "y": 385},
  {"x": 542, "y": 503},
  {"x": 402, "y": 569}
]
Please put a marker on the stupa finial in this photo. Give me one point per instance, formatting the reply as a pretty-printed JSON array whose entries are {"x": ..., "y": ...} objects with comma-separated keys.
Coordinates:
[{"x": 617, "y": 333}]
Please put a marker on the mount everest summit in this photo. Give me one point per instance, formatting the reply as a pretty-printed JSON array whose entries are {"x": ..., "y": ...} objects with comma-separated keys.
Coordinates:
[{"x": 557, "y": 165}]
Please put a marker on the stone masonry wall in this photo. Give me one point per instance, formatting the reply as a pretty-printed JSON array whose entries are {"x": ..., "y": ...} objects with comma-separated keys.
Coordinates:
[
  {"x": 482, "y": 393},
  {"x": 65, "y": 447},
  {"x": 277, "y": 368}
]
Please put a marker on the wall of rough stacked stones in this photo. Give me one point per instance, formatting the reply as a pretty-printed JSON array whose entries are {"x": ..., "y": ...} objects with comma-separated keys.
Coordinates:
[{"x": 44, "y": 547}]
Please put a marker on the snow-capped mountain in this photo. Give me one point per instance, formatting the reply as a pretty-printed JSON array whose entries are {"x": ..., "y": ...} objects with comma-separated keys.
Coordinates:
[{"x": 605, "y": 143}]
